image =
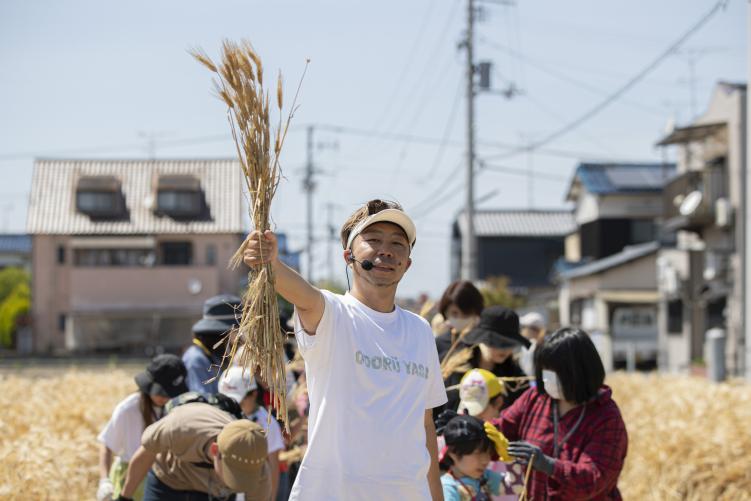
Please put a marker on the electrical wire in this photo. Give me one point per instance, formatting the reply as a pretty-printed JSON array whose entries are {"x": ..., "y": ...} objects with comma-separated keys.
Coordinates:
[{"x": 621, "y": 90}]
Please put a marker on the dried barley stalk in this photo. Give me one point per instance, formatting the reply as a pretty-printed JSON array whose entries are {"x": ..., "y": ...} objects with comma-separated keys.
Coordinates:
[{"x": 239, "y": 83}]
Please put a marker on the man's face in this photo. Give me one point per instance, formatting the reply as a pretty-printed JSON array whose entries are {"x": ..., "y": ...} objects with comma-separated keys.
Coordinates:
[{"x": 387, "y": 247}]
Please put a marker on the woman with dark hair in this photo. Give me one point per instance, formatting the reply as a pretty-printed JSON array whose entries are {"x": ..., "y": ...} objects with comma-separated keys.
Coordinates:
[
  {"x": 493, "y": 342},
  {"x": 458, "y": 309},
  {"x": 162, "y": 380},
  {"x": 569, "y": 427}
]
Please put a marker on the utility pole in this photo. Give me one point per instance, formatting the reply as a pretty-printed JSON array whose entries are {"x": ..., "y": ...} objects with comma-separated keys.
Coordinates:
[
  {"x": 526, "y": 139},
  {"x": 309, "y": 187},
  {"x": 746, "y": 260},
  {"x": 330, "y": 206},
  {"x": 151, "y": 139},
  {"x": 469, "y": 243}
]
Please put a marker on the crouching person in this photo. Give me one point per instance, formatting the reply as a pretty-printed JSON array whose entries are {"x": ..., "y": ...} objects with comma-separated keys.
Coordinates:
[{"x": 199, "y": 453}]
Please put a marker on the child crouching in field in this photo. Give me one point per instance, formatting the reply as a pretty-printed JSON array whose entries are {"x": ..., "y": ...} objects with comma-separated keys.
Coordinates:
[{"x": 465, "y": 458}]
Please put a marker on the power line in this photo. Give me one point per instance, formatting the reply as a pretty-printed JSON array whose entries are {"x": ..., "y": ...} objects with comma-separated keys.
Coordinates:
[
  {"x": 566, "y": 78},
  {"x": 418, "y": 113},
  {"x": 447, "y": 130},
  {"x": 438, "y": 201},
  {"x": 354, "y": 131},
  {"x": 415, "y": 138},
  {"x": 422, "y": 80},
  {"x": 549, "y": 176},
  {"x": 621, "y": 90},
  {"x": 428, "y": 200},
  {"x": 413, "y": 51},
  {"x": 548, "y": 111}
]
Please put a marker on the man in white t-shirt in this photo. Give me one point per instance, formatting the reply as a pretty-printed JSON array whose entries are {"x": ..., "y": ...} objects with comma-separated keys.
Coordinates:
[{"x": 372, "y": 368}]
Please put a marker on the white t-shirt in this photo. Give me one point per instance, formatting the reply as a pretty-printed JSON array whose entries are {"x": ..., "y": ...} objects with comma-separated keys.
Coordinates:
[
  {"x": 122, "y": 434},
  {"x": 371, "y": 377},
  {"x": 273, "y": 434}
]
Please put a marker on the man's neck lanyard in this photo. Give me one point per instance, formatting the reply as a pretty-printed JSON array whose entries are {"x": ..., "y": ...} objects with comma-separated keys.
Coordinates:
[
  {"x": 479, "y": 496},
  {"x": 556, "y": 445}
]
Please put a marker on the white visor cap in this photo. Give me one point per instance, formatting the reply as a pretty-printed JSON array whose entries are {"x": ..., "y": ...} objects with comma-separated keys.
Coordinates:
[{"x": 395, "y": 216}]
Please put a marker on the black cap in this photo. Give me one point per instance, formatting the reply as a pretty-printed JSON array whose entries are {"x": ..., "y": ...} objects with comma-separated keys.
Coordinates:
[
  {"x": 498, "y": 328},
  {"x": 463, "y": 428},
  {"x": 220, "y": 314},
  {"x": 165, "y": 376}
]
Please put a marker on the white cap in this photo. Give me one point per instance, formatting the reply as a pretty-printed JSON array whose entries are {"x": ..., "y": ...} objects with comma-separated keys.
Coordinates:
[
  {"x": 532, "y": 319},
  {"x": 235, "y": 384},
  {"x": 395, "y": 216}
]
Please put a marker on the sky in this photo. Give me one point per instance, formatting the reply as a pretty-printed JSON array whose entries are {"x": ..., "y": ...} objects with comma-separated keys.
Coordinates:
[{"x": 384, "y": 91}]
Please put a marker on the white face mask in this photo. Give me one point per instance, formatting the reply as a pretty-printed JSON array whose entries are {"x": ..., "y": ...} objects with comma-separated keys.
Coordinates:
[
  {"x": 460, "y": 323},
  {"x": 552, "y": 385}
]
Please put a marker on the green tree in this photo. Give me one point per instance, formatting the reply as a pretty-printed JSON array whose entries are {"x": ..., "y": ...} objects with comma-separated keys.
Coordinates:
[
  {"x": 496, "y": 291},
  {"x": 15, "y": 301},
  {"x": 9, "y": 279}
]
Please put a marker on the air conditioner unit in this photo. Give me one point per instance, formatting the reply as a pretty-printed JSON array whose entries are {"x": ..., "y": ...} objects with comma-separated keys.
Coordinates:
[{"x": 723, "y": 212}]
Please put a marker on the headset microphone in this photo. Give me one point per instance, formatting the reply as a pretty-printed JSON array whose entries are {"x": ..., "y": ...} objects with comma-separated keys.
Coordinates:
[{"x": 366, "y": 265}]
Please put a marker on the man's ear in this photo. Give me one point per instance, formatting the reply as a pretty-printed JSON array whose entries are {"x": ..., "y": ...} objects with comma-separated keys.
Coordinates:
[
  {"x": 409, "y": 263},
  {"x": 347, "y": 255},
  {"x": 214, "y": 450}
]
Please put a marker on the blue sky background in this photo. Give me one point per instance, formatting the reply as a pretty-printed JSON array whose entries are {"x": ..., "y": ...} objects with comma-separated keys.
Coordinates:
[{"x": 97, "y": 78}]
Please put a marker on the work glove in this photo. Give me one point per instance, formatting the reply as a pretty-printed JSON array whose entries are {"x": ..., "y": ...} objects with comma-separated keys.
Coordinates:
[
  {"x": 442, "y": 420},
  {"x": 527, "y": 452},
  {"x": 105, "y": 490},
  {"x": 499, "y": 441}
]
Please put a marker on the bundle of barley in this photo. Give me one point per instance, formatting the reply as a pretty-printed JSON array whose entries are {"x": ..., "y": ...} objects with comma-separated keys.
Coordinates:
[
  {"x": 689, "y": 439},
  {"x": 239, "y": 83}
]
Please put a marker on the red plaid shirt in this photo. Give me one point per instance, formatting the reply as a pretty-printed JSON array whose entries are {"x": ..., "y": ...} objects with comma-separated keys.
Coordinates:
[{"x": 591, "y": 459}]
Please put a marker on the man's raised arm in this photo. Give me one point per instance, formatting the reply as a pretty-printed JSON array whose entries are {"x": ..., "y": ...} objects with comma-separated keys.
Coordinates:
[{"x": 308, "y": 300}]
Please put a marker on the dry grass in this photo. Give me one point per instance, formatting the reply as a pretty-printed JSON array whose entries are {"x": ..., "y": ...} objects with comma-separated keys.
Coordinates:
[
  {"x": 688, "y": 439},
  {"x": 239, "y": 84},
  {"x": 49, "y": 425}
]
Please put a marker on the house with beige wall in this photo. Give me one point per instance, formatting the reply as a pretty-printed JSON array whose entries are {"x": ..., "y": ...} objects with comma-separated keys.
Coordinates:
[
  {"x": 608, "y": 284},
  {"x": 126, "y": 251},
  {"x": 701, "y": 276}
]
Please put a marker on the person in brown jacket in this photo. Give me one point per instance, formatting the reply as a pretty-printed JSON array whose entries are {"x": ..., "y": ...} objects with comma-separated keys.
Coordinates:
[{"x": 199, "y": 452}]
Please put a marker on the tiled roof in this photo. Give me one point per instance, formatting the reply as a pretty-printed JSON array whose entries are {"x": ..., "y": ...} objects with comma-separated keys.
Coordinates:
[
  {"x": 628, "y": 254},
  {"x": 521, "y": 223},
  {"x": 612, "y": 178},
  {"x": 20, "y": 244},
  {"x": 52, "y": 207}
]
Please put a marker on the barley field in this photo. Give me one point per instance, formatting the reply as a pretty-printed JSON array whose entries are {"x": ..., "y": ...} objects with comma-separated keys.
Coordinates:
[{"x": 688, "y": 439}]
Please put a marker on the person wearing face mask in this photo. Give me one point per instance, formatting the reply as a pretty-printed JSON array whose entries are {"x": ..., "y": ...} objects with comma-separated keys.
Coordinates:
[
  {"x": 532, "y": 328},
  {"x": 568, "y": 427},
  {"x": 493, "y": 341},
  {"x": 459, "y": 309},
  {"x": 163, "y": 379}
]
